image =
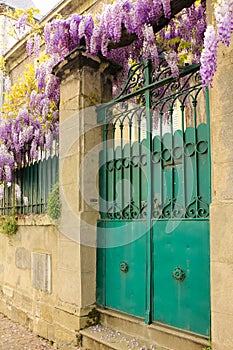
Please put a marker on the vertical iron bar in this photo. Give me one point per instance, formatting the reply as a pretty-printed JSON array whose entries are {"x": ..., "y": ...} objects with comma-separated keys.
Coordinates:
[
  {"x": 194, "y": 102},
  {"x": 31, "y": 167},
  {"x": 172, "y": 169},
  {"x": 130, "y": 167},
  {"x": 27, "y": 187},
  {"x": 139, "y": 170},
  {"x": 139, "y": 127},
  {"x": 122, "y": 168},
  {"x": 37, "y": 202},
  {"x": 105, "y": 137},
  {"x": 161, "y": 160},
  {"x": 149, "y": 244},
  {"x": 113, "y": 160},
  {"x": 105, "y": 180},
  {"x": 182, "y": 108},
  {"x": 41, "y": 182}
]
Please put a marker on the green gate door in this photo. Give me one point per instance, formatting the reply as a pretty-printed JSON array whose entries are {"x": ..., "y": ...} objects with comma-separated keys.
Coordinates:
[{"x": 153, "y": 235}]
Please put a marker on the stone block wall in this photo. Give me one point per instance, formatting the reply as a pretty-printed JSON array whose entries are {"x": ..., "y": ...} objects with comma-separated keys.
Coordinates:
[
  {"x": 222, "y": 202},
  {"x": 47, "y": 272},
  {"x": 32, "y": 290}
]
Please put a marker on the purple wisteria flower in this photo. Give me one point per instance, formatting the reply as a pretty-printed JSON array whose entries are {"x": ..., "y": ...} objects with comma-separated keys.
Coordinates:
[
  {"x": 172, "y": 60},
  {"x": 29, "y": 46},
  {"x": 149, "y": 49},
  {"x": 37, "y": 122},
  {"x": 37, "y": 43},
  {"x": 166, "y": 8},
  {"x": 21, "y": 22},
  {"x": 224, "y": 20},
  {"x": 209, "y": 56}
]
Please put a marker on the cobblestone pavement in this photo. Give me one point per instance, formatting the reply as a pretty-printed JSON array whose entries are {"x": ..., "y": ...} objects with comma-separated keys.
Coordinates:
[{"x": 17, "y": 337}]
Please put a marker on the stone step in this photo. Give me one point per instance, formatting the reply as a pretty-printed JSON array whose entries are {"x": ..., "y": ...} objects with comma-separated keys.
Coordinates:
[
  {"x": 104, "y": 338},
  {"x": 163, "y": 336}
]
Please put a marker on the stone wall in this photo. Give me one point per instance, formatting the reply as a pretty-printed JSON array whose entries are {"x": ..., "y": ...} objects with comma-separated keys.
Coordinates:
[
  {"x": 222, "y": 202},
  {"x": 44, "y": 270},
  {"x": 48, "y": 272},
  {"x": 31, "y": 291},
  {"x": 221, "y": 228}
]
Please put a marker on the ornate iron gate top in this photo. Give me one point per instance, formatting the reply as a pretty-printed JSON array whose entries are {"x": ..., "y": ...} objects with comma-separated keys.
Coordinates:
[{"x": 156, "y": 157}]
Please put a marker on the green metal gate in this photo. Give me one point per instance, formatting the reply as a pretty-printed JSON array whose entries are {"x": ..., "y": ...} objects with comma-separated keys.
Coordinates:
[{"x": 153, "y": 234}]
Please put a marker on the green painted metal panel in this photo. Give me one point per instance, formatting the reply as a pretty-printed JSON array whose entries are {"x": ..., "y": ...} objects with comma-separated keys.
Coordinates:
[
  {"x": 157, "y": 177},
  {"x": 136, "y": 176},
  {"x": 165, "y": 178},
  {"x": 190, "y": 165},
  {"x": 118, "y": 170},
  {"x": 167, "y": 172},
  {"x": 177, "y": 154},
  {"x": 126, "y": 243},
  {"x": 126, "y": 180},
  {"x": 110, "y": 176},
  {"x": 101, "y": 263},
  {"x": 143, "y": 172},
  {"x": 203, "y": 163},
  {"x": 183, "y": 304},
  {"x": 35, "y": 180}
]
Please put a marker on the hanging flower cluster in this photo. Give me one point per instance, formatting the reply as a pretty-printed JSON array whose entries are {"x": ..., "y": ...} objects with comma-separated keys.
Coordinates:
[
  {"x": 31, "y": 118},
  {"x": 209, "y": 56},
  {"x": 29, "y": 115},
  {"x": 182, "y": 39},
  {"x": 183, "y": 35},
  {"x": 223, "y": 11}
]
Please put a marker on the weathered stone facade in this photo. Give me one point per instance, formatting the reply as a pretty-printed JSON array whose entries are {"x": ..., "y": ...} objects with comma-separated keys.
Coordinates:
[
  {"x": 47, "y": 272},
  {"x": 222, "y": 202}
]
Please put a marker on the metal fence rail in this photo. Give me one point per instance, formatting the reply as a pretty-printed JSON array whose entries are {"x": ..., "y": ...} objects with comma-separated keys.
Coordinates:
[{"x": 35, "y": 180}]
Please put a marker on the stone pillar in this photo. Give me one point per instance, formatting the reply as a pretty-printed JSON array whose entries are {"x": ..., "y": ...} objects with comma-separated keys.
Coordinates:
[
  {"x": 85, "y": 82},
  {"x": 221, "y": 226}
]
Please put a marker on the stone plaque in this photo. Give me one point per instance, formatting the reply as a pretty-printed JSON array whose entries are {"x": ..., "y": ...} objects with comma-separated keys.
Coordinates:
[{"x": 41, "y": 271}]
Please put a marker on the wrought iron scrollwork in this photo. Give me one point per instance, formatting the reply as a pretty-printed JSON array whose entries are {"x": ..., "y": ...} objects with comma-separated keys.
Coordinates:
[
  {"x": 114, "y": 212},
  {"x": 178, "y": 151},
  {"x": 135, "y": 79},
  {"x": 131, "y": 211},
  {"x": 198, "y": 208},
  {"x": 173, "y": 209}
]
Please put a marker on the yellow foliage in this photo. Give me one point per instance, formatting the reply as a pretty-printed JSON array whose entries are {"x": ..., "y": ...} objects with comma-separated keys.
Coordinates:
[
  {"x": 17, "y": 13},
  {"x": 19, "y": 92},
  {"x": 197, "y": 3}
]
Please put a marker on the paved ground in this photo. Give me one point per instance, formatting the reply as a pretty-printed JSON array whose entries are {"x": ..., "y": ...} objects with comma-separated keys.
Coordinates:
[{"x": 15, "y": 336}]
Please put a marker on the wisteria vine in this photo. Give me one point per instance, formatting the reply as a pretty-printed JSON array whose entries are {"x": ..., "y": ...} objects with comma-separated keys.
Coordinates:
[{"x": 186, "y": 39}]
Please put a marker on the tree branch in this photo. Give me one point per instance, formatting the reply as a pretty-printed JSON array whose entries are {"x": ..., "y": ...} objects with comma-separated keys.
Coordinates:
[{"x": 127, "y": 38}]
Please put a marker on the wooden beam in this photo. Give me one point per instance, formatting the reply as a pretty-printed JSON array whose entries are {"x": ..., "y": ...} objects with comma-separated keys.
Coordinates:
[{"x": 127, "y": 38}]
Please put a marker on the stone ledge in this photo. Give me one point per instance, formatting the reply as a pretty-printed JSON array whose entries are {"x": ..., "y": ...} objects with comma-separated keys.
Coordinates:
[
  {"x": 107, "y": 338},
  {"x": 34, "y": 220},
  {"x": 165, "y": 336}
]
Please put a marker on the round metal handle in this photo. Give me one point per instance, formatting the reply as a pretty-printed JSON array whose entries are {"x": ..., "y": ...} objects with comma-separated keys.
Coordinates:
[
  {"x": 124, "y": 267},
  {"x": 178, "y": 273}
]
